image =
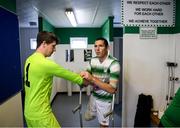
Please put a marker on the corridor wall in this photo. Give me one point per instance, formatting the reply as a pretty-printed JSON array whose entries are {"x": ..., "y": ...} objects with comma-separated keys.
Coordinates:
[
  {"x": 145, "y": 69},
  {"x": 11, "y": 81},
  {"x": 11, "y": 78}
]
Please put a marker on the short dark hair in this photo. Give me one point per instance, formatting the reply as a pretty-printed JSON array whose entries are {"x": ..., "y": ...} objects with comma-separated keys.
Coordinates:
[
  {"x": 104, "y": 40},
  {"x": 49, "y": 37}
]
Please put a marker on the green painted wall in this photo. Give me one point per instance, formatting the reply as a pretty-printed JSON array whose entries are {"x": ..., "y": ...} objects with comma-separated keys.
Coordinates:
[
  {"x": 177, "y": 24},
  {"x": 131, "y": 30},
  {"x": 161, "y": 30},
  {"x": 44, "y": 25},
  {"x": 92, "y": 33},
  {"x": 9, "y": 4},
  {"x": 118, "y": 32},
  {"x": 107, "y": 29},
  {"x": 65, "y": 33}
]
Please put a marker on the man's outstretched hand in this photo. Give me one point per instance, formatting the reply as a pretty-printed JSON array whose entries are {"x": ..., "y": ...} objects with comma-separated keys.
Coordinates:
[{"x": 86, "y": 75}]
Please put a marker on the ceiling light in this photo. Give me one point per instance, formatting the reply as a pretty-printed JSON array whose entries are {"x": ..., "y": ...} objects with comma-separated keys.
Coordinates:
[{"x": 71, "y": 17}]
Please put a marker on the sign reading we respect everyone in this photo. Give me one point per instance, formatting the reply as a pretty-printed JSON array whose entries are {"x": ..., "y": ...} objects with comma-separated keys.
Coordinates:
[{"x": 148, "y": 13}]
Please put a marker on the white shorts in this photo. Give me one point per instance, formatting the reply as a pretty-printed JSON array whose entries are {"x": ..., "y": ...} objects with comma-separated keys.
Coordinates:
[{"x": 100, "y": 108}]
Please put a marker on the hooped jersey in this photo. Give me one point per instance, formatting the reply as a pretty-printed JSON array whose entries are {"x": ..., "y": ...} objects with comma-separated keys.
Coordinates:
[
  {"x": 171, "y": 117},
  {"x": 106, "y": 71}
]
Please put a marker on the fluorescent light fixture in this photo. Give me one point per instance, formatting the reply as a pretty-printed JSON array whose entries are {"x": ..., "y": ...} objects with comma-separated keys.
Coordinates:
[{"x": 71, "y": 17}]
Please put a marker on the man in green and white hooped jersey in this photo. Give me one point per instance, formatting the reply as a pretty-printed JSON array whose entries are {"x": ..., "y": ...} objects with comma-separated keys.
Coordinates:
[
  {"x": 39, "y": 72},
  {"x": 103, "y": 74}
]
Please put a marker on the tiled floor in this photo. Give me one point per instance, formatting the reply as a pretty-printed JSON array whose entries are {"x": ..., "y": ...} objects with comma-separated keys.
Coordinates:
[{"x": 63, "y": 105}]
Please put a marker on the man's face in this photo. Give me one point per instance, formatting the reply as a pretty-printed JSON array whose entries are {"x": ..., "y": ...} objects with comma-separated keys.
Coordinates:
[
  {"x": 100, "y": 49},
  {"x": 50, "y": 48}
]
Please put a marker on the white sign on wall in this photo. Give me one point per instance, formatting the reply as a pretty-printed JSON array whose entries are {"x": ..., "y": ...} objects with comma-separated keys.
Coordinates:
[
  {"x": 148, "y": 32},
  {"x": 33, "y": 43},
  {"x": 148, "y": 13}
]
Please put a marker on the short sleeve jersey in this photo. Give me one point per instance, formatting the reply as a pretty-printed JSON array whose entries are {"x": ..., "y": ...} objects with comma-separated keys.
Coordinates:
[
  {"x": 106, "y": 71},
  {"x": 39, "y": 72}
]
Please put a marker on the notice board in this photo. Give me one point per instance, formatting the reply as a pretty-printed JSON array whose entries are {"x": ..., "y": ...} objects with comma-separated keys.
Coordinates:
[{"x": 10, "y": 64}]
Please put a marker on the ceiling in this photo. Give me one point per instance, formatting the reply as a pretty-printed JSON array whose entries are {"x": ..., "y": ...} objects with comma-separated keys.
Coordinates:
[{"x": 89, "y": 13}]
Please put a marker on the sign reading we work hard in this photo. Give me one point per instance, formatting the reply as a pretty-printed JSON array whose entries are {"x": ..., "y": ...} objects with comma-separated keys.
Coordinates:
[{"x": 148, "y": 13}]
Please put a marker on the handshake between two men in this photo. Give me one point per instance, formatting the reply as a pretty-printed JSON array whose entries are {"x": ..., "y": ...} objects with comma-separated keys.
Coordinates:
[
  {"x": 88, "y": 78},
  {"x": 97, "y": 84}
]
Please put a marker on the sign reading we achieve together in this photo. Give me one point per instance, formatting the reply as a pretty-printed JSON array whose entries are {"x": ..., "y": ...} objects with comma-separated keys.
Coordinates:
[{"x": 159, "y": 13}]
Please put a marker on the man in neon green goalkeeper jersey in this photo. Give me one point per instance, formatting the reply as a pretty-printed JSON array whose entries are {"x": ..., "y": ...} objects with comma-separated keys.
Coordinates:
[
  {"x": 39, "y": 72},
  {"x": 103, "y": 74}
]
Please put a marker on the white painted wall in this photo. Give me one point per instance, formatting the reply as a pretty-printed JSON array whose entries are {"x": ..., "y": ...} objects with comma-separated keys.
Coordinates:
[
  {"x": 77, "y": 65},
  {"x": 60, "y": 85},
  {"x": 11, "y": 112},
  {"x": 177, "y": 58},
  {"x": 145, "y": 70}
]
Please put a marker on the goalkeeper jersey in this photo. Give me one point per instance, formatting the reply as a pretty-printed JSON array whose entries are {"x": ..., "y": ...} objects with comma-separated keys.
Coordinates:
[{"x": 38, "y": 74}]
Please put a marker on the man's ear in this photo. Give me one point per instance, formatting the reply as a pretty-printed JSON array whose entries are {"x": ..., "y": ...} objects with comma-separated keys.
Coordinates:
[
  {"x": 109, "y": 47},
  {"x": 44, "y": 43}
]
